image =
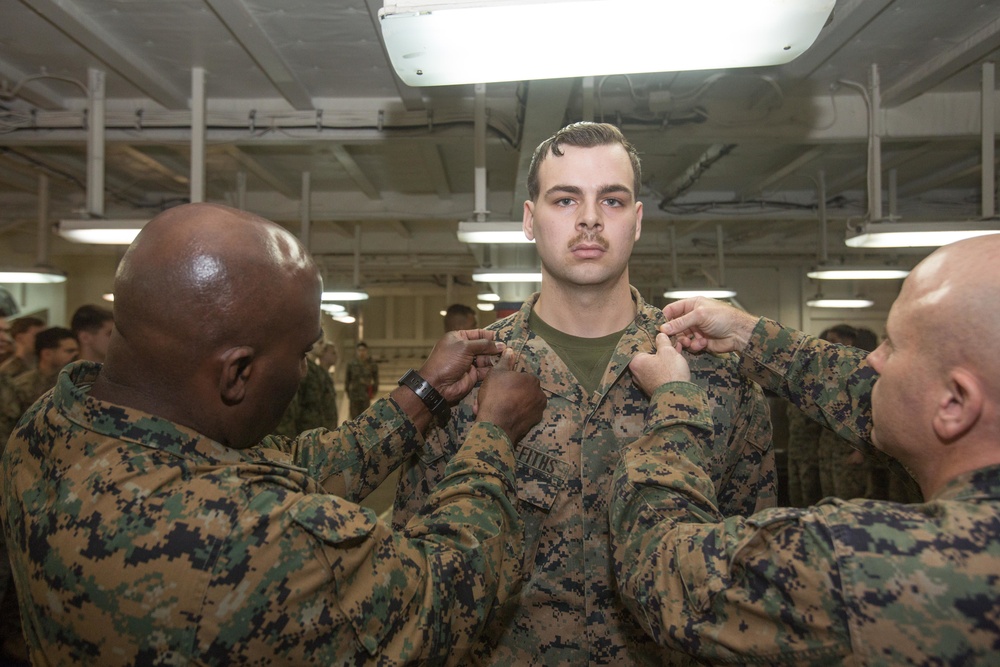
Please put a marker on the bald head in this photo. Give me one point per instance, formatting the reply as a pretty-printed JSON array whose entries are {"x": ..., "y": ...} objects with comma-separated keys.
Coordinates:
[
  {"x": 952, "y": 294},
  {"x": 200, "y": 284}
]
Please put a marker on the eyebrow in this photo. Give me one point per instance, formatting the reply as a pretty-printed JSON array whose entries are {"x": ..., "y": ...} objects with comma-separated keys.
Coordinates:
[{"x": 614, "y": 188}]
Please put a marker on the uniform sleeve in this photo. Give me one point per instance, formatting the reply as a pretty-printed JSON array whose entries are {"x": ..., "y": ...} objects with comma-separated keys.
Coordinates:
[
  {"x": 721, "y": 589},
  {"x": 830, "y": 383},
  {"x": 349, "y": 590},
  {"x": 353, "y": 459}
]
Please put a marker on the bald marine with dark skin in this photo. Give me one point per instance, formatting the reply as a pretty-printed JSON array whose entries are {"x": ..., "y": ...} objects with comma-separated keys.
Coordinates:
[{"x": 215, "y": 310}]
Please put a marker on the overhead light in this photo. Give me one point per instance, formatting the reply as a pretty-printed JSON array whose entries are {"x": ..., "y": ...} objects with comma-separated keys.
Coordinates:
[
  {"x": 107, "y": 232},
  {"x": 488, "y": 296},
  {"x": 854, "y": 302},
  {"x": 486, "y": 306},
  {"x": 442, "y": 42},
  {"x": 332, "y": 308},
  {"x": 510, "y": 276},
  {"x": 718, "y": 292},
  {"x": 108, "y": 297},
  {"x": 345, "y": 319},
  {"x": 350, "y": 295},
  {"x": 710, "y": 292},
  {"x": 917, "y": 234},
  {"x": 856, "y": 273},
  {"x": 492, "y": 232},
  {"x": 34, "y": 275}
]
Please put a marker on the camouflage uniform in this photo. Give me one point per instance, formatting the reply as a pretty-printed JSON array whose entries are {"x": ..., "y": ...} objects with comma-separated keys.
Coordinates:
[
  {"x": 842, "y": 583},
  {"x": 313, "y": 406},
  {"x": 29, "y": 386},
  {"x": 803, "y": 459},
  {"x": 135, "y": 540},
  {"x": 360, "y": 383},
  {"x": 568, "y": 613}
]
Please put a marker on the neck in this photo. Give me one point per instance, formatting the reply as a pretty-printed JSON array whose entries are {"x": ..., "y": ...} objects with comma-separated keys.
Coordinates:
[{"x": 589, "y": 311}]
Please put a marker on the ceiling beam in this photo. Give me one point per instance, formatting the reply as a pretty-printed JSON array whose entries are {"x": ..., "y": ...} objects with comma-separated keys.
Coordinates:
[
  {"x": 150, "y": 163},
  {"x": 858, "y": 177},
  {"x": 354, "y": 171},
  {"x": 244, "y": 27},
  {"x": 849, "y": 18},
  {"x": 34, "y": 92},
  {"x": 544, "y": 114},
  {"x": 14, "y": 177},
  {"x": 935, "y": 71},
  {"x": 951, "y": 173},
  {"x": 435, "y": 170},
  {"x": 402, "y": 229},
  {"x": 780, "y": 174},
  {"x": 258, "y": 170},
  {"x": 100, "y": 43}
]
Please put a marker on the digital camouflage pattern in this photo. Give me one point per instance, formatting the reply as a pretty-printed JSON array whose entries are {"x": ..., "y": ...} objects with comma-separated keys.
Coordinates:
[
  {"x": 135, "y": 540},
  {"x": 568, "y": 612},
  {"x": 842, "y": 583},
  {"x": 313, "y": 406}
]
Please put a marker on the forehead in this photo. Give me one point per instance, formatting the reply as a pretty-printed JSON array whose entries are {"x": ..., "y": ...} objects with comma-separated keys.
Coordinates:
[{"x": 604, "y": 165}]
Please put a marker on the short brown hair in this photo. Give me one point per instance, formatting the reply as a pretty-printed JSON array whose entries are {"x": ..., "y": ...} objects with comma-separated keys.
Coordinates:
[{"x": 584, "y": 134}]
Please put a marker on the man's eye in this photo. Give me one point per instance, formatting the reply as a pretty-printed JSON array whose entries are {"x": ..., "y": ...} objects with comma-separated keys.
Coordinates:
[{"x": 612, "y": 202}]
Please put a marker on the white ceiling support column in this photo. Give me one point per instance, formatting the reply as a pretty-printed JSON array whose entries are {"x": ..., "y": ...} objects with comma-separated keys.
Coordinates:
[
  {"x": 198, "y": 130},
  {"x": 821, "y": 192},
  {"x": 989, "y": 140},
  {"x": 448, "y": 287},
  {"x": 44, "y": 229},
  {"x": 95, "y": 143},
  {"x": 893, "y": 195},
  {"x": 479, "y": 153},
  {"x": 241, "y": 190},
  {"x": 875, "y": 146},
  {"x": 304, "y": 206}
]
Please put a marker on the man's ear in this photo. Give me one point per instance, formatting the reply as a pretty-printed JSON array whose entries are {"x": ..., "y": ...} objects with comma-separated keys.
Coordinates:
[
  {"x": 528, "y": 220},
  {"x": 960, "y": 407},
  {"x": 237, "y": 364}
]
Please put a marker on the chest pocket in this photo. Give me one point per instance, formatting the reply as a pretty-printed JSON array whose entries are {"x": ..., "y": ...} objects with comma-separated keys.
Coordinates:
[{"x": 540, "y": 480}]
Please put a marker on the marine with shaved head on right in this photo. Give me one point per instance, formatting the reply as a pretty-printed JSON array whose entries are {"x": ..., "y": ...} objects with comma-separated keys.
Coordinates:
[
  {"x": 860, "y": 582},
  {"x": 150, "y": 519}
]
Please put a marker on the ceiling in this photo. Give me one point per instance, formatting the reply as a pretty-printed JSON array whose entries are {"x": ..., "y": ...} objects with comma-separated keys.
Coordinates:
[{"x": 302, "y": 106}]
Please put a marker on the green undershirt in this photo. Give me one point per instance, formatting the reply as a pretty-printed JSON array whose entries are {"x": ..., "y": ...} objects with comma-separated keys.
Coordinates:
[{"x": 586, "y": 358}]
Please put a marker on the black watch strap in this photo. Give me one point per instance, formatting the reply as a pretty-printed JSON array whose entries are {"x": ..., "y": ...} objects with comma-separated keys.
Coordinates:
[{"x": 425, "y": 392}]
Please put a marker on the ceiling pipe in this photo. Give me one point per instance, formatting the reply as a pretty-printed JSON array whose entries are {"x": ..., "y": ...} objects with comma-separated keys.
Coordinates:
[
  {"x": 95, "y": 144},
  {"x": 198, "y": 130},
  {"x": 44, "y": 229}
]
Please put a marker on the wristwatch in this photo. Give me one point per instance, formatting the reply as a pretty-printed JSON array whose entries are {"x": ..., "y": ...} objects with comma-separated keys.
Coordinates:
[{"x": 429, "y": 395}]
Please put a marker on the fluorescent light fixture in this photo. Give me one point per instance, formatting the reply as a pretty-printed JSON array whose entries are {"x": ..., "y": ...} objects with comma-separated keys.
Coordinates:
[
  {"x": 350, "y": 295},
  {"x": 492, "y": 232},
  {"x": 710, "y": 292},
  {"x": 35, "y": 275},
  {"x": 918, "y": 234},
  {"x": 488, "y": 296},
  {"x": 486, "y": 306},
  {"x": 332, "y": 308},
  {"x": 856, "y": 273},
  {"x": 507, "y": 276},
  {"x": 443, "y": 42},
  {"x": 855, "y": 302},
  {"x": 345, "y": 319},
  {"x": 106, "y": 232},
  {"x": 108, "y": 297}
]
